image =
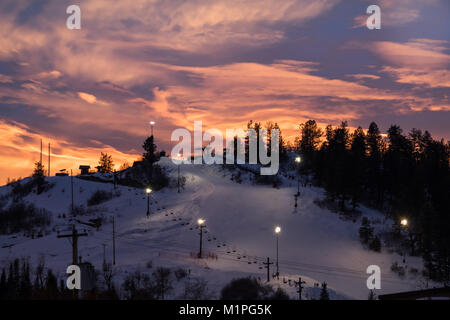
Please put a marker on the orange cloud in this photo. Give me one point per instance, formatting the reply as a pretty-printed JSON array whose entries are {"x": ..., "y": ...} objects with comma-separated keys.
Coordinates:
[
  {"x": 418, "y": 53},
  {"x": 5, "y": 79},
  {"x": 429, "y": 78},
  {"x": 229, "y": 95},
  {"x": 89, "y": 98},
  {"x": 204, "y": 25},
  {"x": 364, "y": 76},
  {"x": 417, "y": 61}
]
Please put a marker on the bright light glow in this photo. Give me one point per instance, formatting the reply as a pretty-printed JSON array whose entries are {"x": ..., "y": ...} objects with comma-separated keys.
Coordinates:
[
  {"x": 298, "y": 159},
  {"x": 277, "y": 230},
  {"x": 404, "y": 222},
  {"x": 148, "y": 190},
  {"x": 152, "y": 123},
  {"x": 200, "y": 221}
]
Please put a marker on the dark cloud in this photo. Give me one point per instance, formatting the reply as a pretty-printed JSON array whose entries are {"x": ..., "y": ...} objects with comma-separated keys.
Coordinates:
[
  {"x": 31, "y": 11},
  {"x": 436, "y": 122}
]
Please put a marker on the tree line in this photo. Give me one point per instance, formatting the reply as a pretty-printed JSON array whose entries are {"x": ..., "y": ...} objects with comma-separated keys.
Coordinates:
[{"x": 406, "y": 176}]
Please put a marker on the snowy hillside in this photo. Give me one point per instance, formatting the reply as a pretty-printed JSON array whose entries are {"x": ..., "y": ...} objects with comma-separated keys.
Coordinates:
[{"x": 314, "y": 243}]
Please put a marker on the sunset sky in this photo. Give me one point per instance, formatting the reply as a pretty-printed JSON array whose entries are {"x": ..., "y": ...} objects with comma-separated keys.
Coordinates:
[{"x": 223, "y": 62}]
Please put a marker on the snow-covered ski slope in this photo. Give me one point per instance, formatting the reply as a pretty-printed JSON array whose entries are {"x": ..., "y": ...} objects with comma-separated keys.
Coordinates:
[{"x": 314, "y": 243}]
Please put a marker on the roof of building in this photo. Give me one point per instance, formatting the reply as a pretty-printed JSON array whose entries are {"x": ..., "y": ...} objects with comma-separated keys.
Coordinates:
[{"x": 418, "y": 294}]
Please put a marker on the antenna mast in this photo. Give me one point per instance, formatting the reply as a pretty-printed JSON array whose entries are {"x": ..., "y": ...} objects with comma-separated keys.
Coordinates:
[
  {"x": 49, "y": 174},
  {"x": 41, "y": 153}
]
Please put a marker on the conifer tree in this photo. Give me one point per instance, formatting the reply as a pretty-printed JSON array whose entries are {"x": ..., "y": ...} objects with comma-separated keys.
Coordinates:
[
  {"x": 324, "y": 295},
  {"x": 105, "y": 164},
  {"x": 149, "y": 147},
  {"x": 357, "y": 173}
]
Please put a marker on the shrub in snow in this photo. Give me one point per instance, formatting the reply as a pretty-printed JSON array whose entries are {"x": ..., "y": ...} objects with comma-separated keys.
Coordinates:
[
  {"x": 143, "y": 175},
  {"x": 98, "y": 197},
  {"x": 197, "y": 289},
  {"x": 138, "y": 286},
  {"x": 375, "y": 244},
  {"x": 23, "y": 217},
  {"x": 395, "y": 267},
  {"x": 269, "y": 180},
  {"x": 250, "y": 289},
  {"x": 180, "y": 273},
  {"x": 24, "y": 187},
  {"x": 163, "y": 282},
  {"x": 366, "y": 231}
]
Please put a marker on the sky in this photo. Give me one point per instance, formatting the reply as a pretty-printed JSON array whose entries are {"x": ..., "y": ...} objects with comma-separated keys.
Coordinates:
[{"x": 222, "y": 62}]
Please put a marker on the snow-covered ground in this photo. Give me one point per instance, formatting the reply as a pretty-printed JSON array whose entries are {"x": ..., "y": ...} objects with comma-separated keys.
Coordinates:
[{"x": 314, "y": 243}]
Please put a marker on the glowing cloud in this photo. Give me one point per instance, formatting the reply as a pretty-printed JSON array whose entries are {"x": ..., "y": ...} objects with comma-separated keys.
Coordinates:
[{"x": 89, "y": 98}]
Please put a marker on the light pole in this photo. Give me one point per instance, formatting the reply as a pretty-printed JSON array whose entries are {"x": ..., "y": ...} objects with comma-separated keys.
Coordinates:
[
  {"x": 201, "y": 225},
  {"x": 277, "y": 232},
  {"x": 298, "y": 160},
  {"x": 179, "y": 164},
  {"x": 404, "y": 224},
  {"x": 71, "y": 190},
  {"x": 148, "y": 191},
  {"x": 152, "y": 123}
]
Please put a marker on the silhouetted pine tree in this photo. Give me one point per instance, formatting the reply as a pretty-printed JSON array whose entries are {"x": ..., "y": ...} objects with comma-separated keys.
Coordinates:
[
  {"x": 105, "y": 164},
  {"x": 25, "y": 287},
  {"x": 374, "y": 177},
  {"x": 310, "y": 135},
  {"x": 281, "y": 143},
  {"x": 324, "y": 292},
  {"x": 247, "y": 141},
  {"x": 3, "y": 287},
  {"x": 358, "y": 165},
  {"x": 38, "y": 176},
  {"x": 403, "y": 176},
  {"x": 257, "y": 127},
  {"x": 308, "y": 142},
  {"x": 149, "y": 151},
  {"x": 337, "y": 163}
]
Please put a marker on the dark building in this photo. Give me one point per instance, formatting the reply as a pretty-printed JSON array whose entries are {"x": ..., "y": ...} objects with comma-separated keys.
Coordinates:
[
  {"x": 84, "y": 169},
  {"x": 62, "y": 173},
  {"x": 435, "y": 293}
]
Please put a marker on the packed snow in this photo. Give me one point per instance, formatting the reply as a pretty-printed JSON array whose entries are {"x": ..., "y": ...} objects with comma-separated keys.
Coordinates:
[{"x": 314, "y": 244}]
